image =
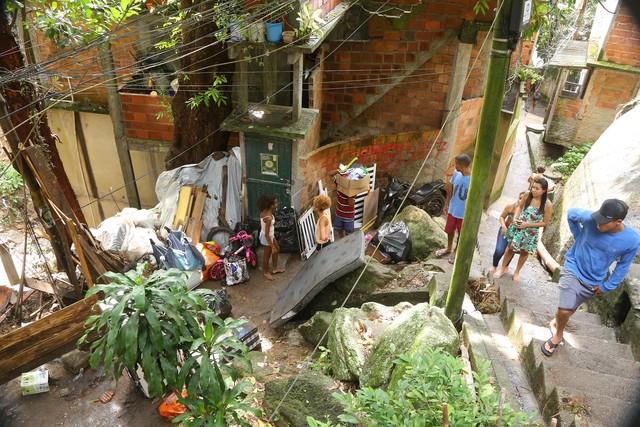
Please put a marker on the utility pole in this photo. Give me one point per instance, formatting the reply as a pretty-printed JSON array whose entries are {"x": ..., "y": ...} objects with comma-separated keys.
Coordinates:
[{"x": 485, "y": 143}]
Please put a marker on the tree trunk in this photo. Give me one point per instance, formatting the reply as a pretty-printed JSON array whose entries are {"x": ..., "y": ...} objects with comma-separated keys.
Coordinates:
[
  {"x": 196, "y": 131},
  {"x": 24, "y": 123},
  {"x": 29, "y": 121}
]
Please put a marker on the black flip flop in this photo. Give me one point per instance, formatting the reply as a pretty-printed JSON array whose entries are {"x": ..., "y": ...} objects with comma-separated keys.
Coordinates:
[{"x": 552, "y": 346}]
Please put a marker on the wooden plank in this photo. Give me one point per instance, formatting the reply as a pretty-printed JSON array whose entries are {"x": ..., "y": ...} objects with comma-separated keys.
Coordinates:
[
  {"x": 14, "y": 278},
  {"x": 198, "y": 203},
  {"x": 48, "y": 288},
  {"x": 96, "y": 261},
  {"x": 184, "y": 205},
  {"x": 26, "y": 348},
  {"x": 370, "y": 206},
  {"x": 83, "y": 261}
]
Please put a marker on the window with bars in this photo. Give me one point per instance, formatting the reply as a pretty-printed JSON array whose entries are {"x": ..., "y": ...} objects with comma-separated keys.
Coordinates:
[{"x": 576, "y": 83}]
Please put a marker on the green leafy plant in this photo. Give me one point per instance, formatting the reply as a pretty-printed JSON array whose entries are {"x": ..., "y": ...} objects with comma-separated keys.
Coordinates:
[
  {"x": 429, "y": 380},
  {"x": 10, "y": 191},
  {"x": 323, "y": 362},
  {"x": 211, "y": 94},
  {"x": 309, "y": 22},
  {"x": 569, "y": 161},
  {"x": 152, "y": 321},
  {"x": 524, "y": 73}
]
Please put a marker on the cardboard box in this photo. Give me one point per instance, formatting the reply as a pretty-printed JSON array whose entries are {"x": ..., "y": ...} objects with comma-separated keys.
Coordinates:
[
  {"x": 35, "y": 382},
  {"x": 351, "y": 187}
]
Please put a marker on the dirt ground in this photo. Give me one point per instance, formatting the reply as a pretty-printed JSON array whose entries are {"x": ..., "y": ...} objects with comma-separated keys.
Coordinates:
[{"x": 71, "y": 400}]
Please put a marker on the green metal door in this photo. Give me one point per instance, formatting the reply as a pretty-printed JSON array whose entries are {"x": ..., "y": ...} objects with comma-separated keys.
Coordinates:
[{"x": 268, "y": 170}]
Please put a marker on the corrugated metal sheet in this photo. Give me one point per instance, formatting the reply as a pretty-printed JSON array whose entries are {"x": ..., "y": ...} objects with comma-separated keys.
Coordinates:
[{"x": 572, "y": 55}]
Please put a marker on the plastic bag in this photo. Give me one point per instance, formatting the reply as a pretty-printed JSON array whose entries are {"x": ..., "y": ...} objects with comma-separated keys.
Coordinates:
[
  {"x": 395, "y": 240},
  {"x": 285, "y": 230},
  {"x": 235, "y": 268},
  {"x": 180, "y": 254},
  {"x": 170, "y": 408},
  {"x": 211, "y": 253},
  {"x": 219, "y": 303}
]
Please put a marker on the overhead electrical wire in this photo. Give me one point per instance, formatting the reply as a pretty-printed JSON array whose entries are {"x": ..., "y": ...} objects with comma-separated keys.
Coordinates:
[{"x": 448, "y": 117}]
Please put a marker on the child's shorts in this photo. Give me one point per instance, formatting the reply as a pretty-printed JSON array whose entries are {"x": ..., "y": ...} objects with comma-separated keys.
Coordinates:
[
  {"x": 453, "y": 224},
  {"x": 345, "y": 224}
]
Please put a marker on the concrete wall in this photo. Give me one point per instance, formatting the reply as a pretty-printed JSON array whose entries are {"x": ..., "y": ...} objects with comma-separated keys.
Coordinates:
[
  {"x": 103, "y": 164},
  {"x": 611, "y": 169}
]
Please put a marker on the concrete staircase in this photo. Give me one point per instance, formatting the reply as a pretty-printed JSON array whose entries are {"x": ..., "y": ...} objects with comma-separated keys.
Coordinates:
[{"x": 591, "y": 380}]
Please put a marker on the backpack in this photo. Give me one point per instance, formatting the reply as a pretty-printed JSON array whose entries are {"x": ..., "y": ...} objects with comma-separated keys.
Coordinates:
[{"x": 180, "y": 253}]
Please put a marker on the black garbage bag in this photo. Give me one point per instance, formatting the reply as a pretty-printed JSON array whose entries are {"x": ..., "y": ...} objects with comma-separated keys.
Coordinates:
[
  {"x": 286, "y": 230},
  {"x": 395, "y": 240}
]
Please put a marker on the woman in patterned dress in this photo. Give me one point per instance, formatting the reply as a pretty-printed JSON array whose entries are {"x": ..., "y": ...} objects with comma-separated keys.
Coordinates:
[{"x": 533, "y": 211}]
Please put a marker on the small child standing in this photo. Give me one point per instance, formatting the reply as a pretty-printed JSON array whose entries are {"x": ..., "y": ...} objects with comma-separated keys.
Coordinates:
[
  {"x": 457, "y": 191},
  {"x": 267, "y": 204},
  {"x": 321, "y": 205}
]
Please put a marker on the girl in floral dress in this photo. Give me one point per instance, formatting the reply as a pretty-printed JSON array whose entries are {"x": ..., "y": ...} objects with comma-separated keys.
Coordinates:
[{"x": 533, "y": 211}]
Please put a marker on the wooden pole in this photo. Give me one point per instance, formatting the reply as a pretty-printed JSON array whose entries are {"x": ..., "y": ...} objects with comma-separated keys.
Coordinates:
[{"x": 486, "y": 141}]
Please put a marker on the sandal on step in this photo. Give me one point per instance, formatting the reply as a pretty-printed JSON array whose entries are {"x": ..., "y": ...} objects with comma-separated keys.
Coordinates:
[
  {"x": 442, "y": 252},
  {"x": 452, "y": 258},
  {"x": 552, "y": 346}
]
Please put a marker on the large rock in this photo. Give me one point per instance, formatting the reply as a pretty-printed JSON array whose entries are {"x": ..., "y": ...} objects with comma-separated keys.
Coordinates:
[
  {"x": 313, "y": 330},
  {"x": 353, "y": 333},
  {"x": 426, "y": 235},
  {"x": 611, "y": 169},
  {"x": 421, "y": 325},
  {"x": 375, "y": 275},
  {"x": 346, "y": 343},
  {"x": 309, "y": 396}
]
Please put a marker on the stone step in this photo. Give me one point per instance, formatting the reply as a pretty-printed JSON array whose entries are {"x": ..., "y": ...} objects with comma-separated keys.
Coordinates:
[
  {"x": 591, "y": 344},
  {"x": 591, "y": 411},
  {"x": 546, "y": 374},
  {"x": 567, "y": 358},
  {"x": 577, "y": 326}
]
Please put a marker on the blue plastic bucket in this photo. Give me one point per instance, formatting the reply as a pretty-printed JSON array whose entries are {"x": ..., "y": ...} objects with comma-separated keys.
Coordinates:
[{"x": 274, "y": 31}]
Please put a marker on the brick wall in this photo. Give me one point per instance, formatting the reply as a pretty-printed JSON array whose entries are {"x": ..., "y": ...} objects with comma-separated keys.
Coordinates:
[
  {"x": 140, "y": 120},
  {"x": 364, "y": 67},
  {"x": 399, "y": 154},
  {"x": 577, "y": 121},
  {"x": 623, "y": 43},
  {"x": 82, "y": 66}
]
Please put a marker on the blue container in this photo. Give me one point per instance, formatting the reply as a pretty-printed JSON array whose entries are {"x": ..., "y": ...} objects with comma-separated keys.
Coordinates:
[{"x": 274, "y": 31}]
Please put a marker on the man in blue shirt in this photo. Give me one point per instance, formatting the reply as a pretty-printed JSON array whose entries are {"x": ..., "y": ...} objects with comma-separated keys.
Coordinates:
[{"x": 600, "y": 239}]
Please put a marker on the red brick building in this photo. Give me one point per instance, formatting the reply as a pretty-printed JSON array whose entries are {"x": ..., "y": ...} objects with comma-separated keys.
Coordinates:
[{"x": 596, "y": 79}]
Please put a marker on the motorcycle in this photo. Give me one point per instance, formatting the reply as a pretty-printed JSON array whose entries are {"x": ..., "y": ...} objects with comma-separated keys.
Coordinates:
[
  {"x": 393, "y": 195},
  {"x": 430, "y": 197}
]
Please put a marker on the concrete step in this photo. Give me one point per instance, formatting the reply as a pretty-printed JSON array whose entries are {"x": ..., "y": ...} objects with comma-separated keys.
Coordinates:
[
  {"x": 591, "y": 411},
  {"x": 568, "y": 358},
  {"x": 591, "y": 344}
]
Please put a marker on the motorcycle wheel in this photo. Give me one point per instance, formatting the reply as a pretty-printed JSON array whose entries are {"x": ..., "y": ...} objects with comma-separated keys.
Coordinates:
[{"x": 434, "y": 205}]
